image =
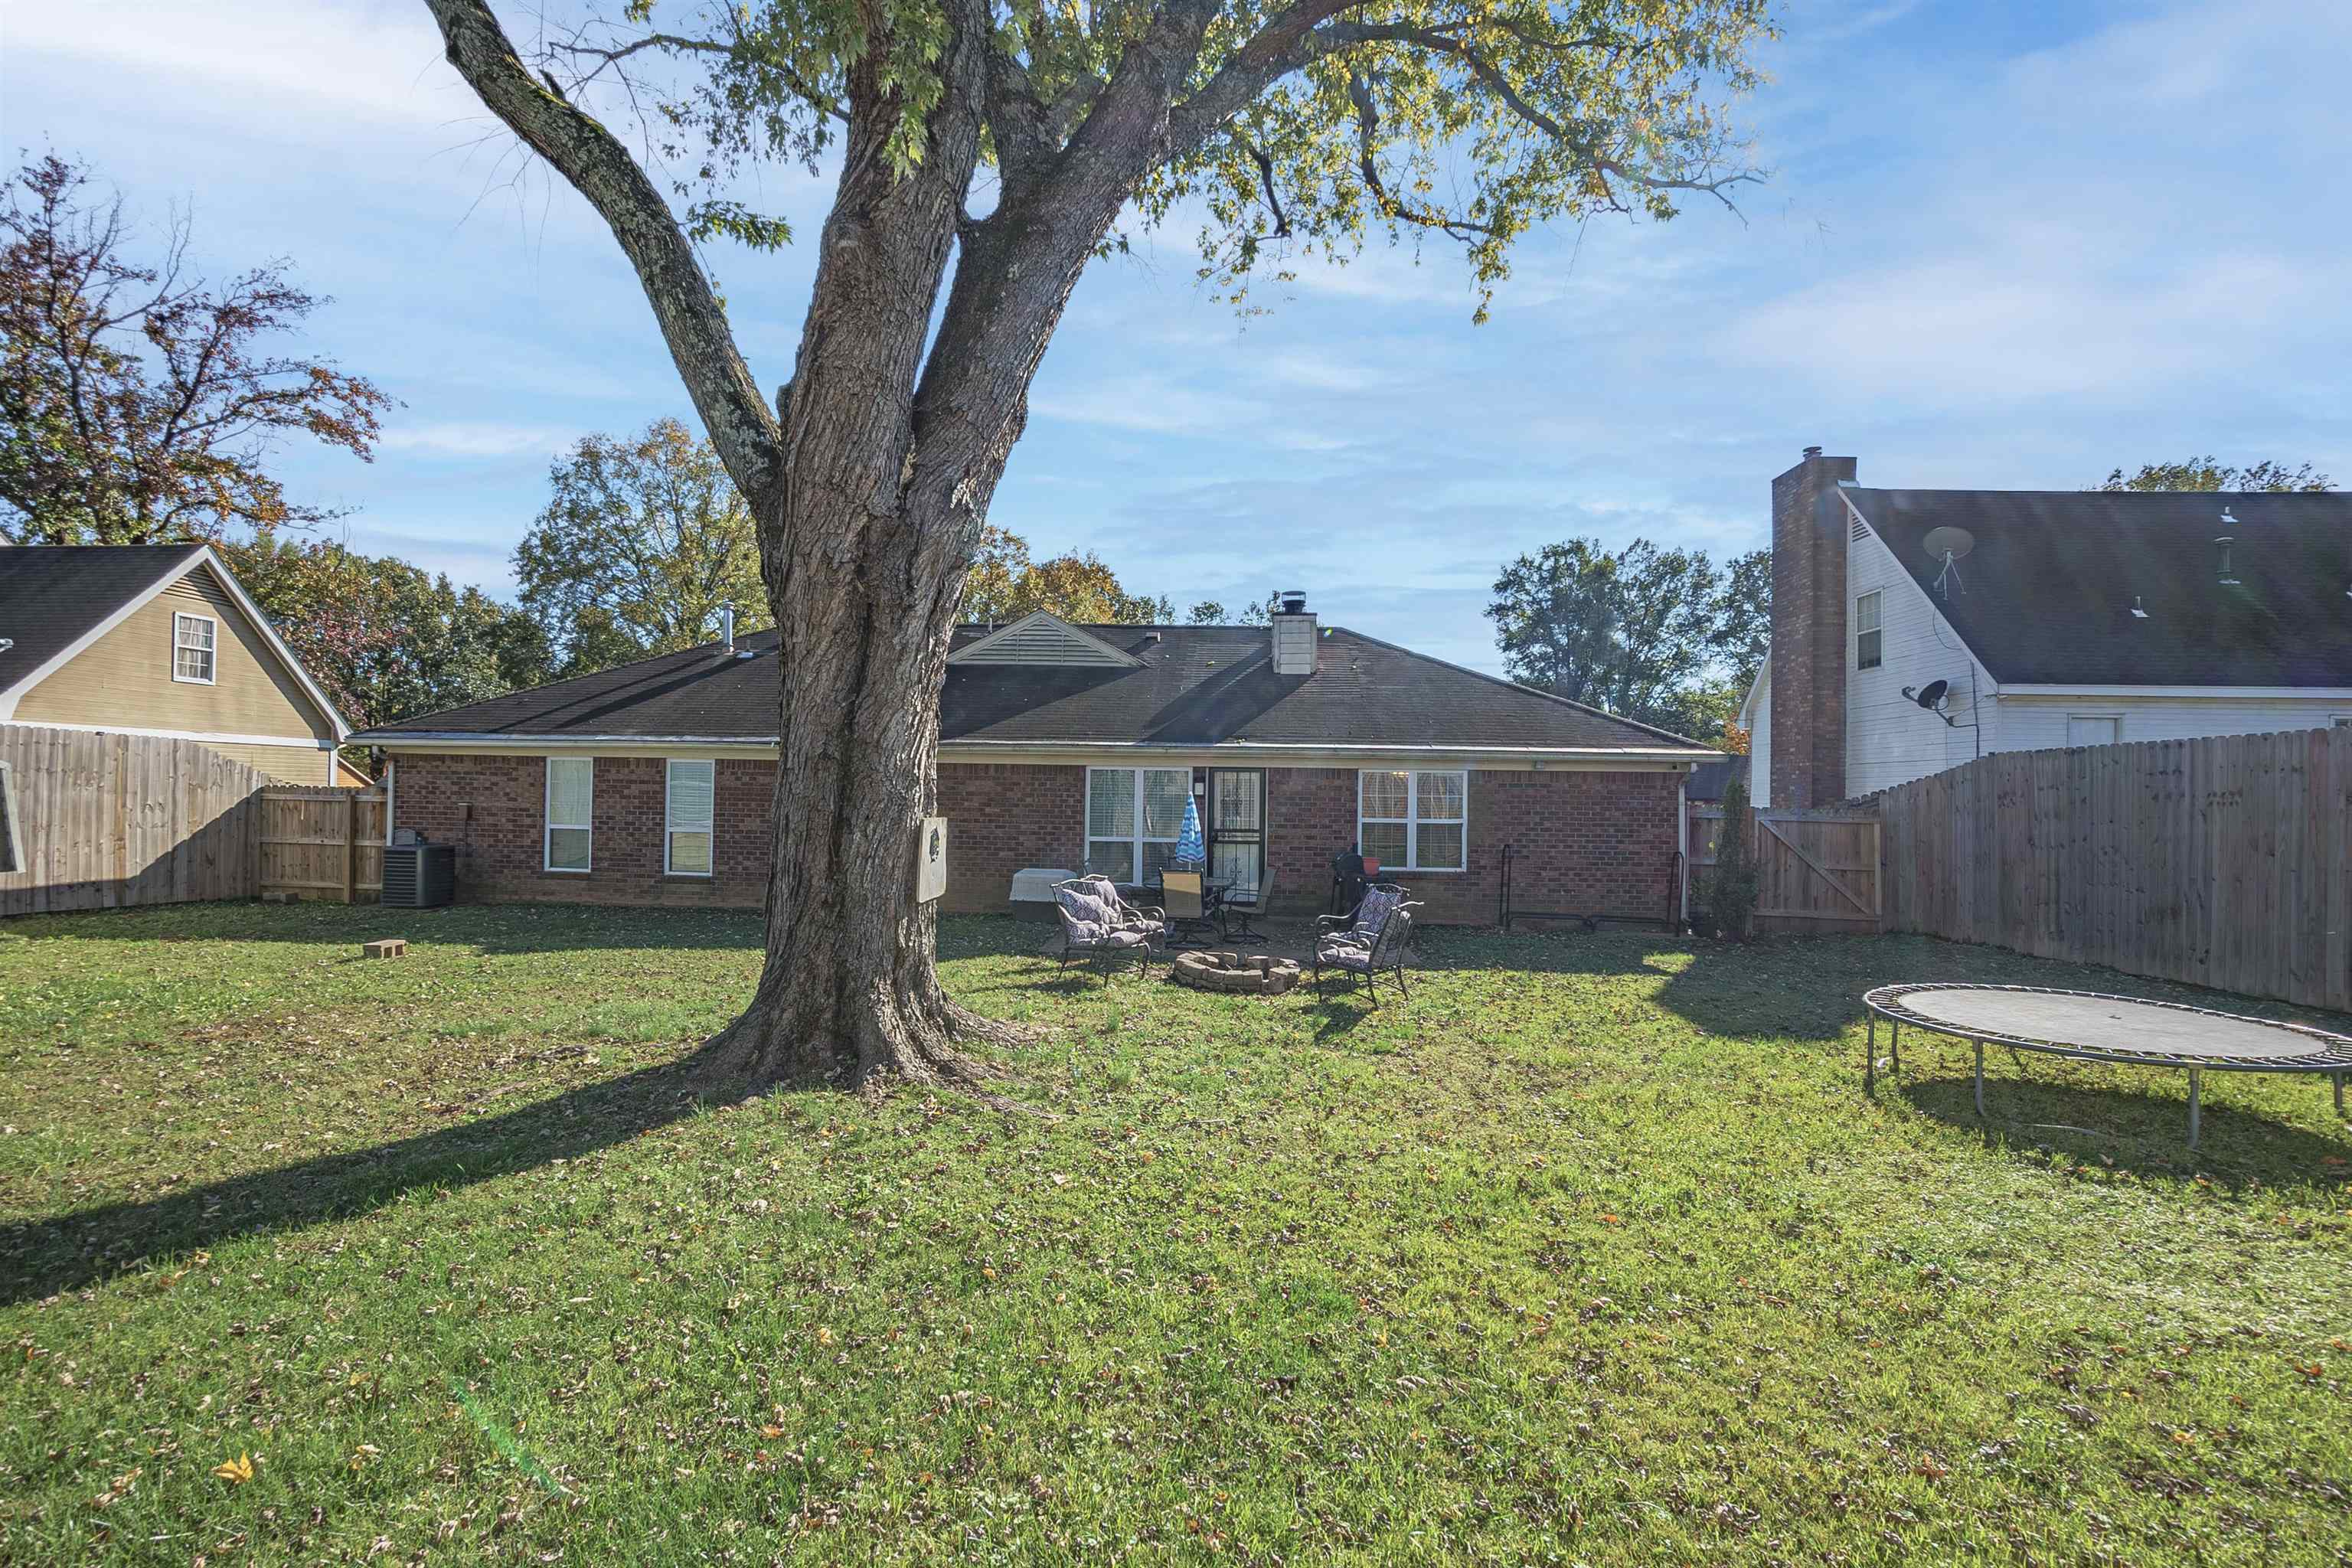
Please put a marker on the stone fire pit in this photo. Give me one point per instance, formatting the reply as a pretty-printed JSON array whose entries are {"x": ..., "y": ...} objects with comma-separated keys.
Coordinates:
[{"x": 1257, "y": 977}]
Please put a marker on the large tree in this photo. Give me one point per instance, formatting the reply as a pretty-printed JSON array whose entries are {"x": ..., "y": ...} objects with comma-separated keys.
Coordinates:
[
  {"x": 2205, "y": 474},
  {"x": 387, "y": 639},
  {"x": 645, "y": 542},
  {"x": 1299, "y": 123},
  {"x": 1660, "y": 636},
  {"x": 138, "y": 401}
]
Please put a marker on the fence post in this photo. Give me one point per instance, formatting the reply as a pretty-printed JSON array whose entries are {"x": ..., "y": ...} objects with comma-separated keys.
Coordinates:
[{"x": 351, "y": 846}]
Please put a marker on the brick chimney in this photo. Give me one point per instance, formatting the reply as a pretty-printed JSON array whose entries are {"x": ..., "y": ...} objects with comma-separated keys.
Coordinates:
[
  {"x": 1809, "y": 608},
  {"x": 1297, "y": 649}
]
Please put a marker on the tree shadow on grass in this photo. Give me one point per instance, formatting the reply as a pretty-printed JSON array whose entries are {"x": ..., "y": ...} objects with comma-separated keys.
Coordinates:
[
  {"x": 2141, "y": 1126},
  {"x": 46, "y": 1258}
]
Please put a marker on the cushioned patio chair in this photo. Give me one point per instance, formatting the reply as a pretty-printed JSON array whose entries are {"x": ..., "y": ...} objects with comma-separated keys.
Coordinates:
[
  {"x": 1362, "y": 923},
  {"x": 1097, "y": 924},
  {"x": 1364, "y": 961}
]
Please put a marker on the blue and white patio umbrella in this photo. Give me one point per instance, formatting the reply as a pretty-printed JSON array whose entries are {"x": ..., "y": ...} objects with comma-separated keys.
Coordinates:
[{"x": 1189, "y": 851}]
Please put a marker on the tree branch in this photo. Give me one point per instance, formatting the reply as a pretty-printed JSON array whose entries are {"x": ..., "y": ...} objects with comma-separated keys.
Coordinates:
[
  {"x": 692, "y": 321},
  {"x": 1368, "y": 127}
]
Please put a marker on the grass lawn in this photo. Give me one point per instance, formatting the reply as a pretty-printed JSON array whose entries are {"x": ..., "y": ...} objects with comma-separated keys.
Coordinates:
[{"x": 1593, "y": 1253}]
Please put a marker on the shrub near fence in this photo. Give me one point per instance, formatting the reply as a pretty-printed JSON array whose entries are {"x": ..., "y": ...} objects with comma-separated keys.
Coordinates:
[{"x": 2225, "y": 861}]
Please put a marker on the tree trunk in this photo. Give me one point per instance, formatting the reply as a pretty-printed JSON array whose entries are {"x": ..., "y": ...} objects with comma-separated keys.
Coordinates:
[
  {"x": 851, "y": 988},
  {"x": 864, "y": 537}
]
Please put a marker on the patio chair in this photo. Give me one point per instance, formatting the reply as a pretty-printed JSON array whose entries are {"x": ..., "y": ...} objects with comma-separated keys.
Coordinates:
[
  {"x": 1188, "y": 905},
  {"x": 1096, "y": 923},
  {"x": 1240, "y": 906},
  {"x": 1364, "y": 962},
  {"x": 1361, "y": 923}
]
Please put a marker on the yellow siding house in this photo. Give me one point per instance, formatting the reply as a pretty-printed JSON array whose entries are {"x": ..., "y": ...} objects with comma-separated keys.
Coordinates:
[{"x": 159, "y": 639}]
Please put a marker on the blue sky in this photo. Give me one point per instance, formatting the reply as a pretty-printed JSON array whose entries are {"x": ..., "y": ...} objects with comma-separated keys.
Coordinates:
[{"x": 2003, "y": 245}]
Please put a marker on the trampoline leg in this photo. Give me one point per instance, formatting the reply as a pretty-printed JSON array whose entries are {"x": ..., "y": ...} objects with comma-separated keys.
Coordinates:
[
  {"x": 1980, "y": 1110},
  {"x": 1895, "y": 1046},
  {"x": 2196, "y": 1086},
  {"x": 1870, "y": 1062},
  {"x": 2339, "y": 1093}
]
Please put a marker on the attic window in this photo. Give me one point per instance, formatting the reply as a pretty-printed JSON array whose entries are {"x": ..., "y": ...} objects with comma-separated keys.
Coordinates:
[
  {"x": 195, "y": 641},
  {"x": 1869, "y": 640}
]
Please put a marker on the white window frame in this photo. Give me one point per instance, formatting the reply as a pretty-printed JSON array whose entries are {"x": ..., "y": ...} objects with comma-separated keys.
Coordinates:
[
  {"x": 212, "y": 652},
  {"x": 670, "y": 828},
  {"x": 1877, "y": 599},
  {"x": 1411, "y": 820},
  {"x": 1135, "y": 842},
  {"x": 2116, "y": 718},
  {"x": 548, "y": 825}
]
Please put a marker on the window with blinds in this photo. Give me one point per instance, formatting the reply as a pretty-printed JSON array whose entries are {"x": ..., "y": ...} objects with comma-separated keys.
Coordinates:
[
  {"x": 1415, "y": 821},
  {"x": 570, "y": 807},
  {"x": 195, "y": 645},
  {"x": 692, "y": 807},
  {"x": 1134, "y": 816}
]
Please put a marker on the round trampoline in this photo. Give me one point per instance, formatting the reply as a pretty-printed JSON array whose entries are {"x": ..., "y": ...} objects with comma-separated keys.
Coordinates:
[{"x": 2090, "y": 1025}]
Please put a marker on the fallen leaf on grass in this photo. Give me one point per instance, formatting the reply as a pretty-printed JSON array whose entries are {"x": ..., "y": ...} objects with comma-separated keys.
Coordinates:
[{"x": 238, "y": 1470}]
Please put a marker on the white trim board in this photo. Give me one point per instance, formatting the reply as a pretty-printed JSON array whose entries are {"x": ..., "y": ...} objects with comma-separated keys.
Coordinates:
[
  {"x": 210, "y": 738},
  {"x": 1074, "y": 754}
]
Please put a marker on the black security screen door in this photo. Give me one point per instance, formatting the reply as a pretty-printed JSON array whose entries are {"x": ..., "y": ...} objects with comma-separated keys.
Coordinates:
[{"x": 1237, "y": 828}]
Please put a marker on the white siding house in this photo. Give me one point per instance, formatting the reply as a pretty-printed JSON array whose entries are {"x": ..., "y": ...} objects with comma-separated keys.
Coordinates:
[{"x": 2069, "y": 618}]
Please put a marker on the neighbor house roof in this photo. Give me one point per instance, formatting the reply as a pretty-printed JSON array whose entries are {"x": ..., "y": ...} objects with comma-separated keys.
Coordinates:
[
  {"x": 58, "y": 599},
  {"x": 2044, "y": 594},
  {"x": 1187, "y": 686}
]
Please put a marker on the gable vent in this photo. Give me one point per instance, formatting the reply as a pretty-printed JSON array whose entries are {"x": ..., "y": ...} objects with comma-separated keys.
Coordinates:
[
  {"x": 1042, "y": 638},
  {"x": 1859, "y": 532}
]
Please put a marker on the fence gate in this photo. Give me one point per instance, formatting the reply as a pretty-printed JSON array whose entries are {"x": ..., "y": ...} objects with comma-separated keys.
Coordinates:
[
  {"x": 1815, "y": 870},
  {"x": 322, "y": 843}
]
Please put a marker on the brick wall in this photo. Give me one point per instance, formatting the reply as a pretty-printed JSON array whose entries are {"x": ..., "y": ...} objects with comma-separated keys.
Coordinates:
[
  {"x": 492, "y": 808},
  {"x": 1809, "y": 611},
  {"x": 1003, "y": 817},
  {"x": 1587, "y": 841}
]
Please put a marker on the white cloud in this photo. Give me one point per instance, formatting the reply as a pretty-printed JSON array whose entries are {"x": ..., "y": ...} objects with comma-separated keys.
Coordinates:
[{"x": 464, "y": 438}]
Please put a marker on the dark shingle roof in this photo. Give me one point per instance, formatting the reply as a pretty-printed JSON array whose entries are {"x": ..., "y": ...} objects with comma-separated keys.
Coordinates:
[
  {"x": 1194, "y": 686},
  {"x": 2047, "y": 591},
  {"x": 50, "y": 595},
  {"x": 1707, "y": 780}
]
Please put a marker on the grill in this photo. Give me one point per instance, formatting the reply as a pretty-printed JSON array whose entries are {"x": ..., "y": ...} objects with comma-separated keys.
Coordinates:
[{"x": 419, "y": 876}]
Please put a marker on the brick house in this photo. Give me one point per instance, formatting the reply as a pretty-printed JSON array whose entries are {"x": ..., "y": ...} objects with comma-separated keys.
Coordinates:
[
  {"x": 1076, "y": 747},
  {"x": 1916, "y": 630}
]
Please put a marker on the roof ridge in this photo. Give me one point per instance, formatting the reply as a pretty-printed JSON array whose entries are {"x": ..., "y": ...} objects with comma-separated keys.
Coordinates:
[
  {"x": 568, "y": 679},
  {"x": 1529, "y": 691}
]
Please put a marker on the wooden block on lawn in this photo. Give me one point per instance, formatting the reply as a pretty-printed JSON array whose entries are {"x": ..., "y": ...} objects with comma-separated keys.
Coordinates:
[{"x": 387, "y": 947}]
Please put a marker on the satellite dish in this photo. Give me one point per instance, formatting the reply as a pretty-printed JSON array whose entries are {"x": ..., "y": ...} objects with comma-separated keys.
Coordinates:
[
  {"x": 1948, "y": 543},
  {"x": 1931, "y": 696}
]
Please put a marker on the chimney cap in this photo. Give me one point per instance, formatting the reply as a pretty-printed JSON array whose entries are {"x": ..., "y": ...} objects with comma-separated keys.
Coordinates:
[
  {"x": 1294, "y": 601},
  {"x": 1813, "y": 451}
]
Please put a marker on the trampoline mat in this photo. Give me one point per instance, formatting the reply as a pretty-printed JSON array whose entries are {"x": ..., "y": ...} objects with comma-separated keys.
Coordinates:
[{"x": 2108, "y": 1024}]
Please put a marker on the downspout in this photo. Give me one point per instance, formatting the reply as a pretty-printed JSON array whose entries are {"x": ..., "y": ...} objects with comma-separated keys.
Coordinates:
[
  {"x": 1682, "y": 842},
  {"x": 391, "y": 780}
]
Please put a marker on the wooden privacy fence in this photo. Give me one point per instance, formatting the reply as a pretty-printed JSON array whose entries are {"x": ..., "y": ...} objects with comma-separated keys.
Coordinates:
[
  {"x": 322, "y": 843},
  {"x": 106, "y": 821},
  {"x": 2225, "y": 861},
  {"x": 1816, "y": 871}
]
